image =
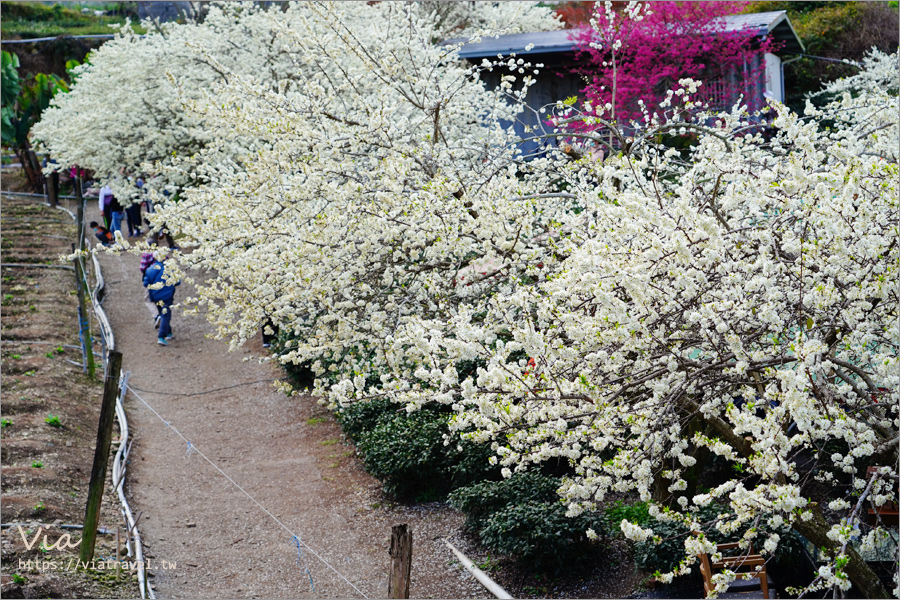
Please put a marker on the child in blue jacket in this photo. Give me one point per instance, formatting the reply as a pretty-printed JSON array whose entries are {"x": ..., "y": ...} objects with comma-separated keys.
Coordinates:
[{"x": 162, "y": 297}]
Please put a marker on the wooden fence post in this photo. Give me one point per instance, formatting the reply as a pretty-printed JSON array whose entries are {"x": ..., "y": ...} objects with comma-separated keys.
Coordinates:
[
  {"x": 84, "y": 324},
  {"x": 79, "y": 218},
  {"x": 53, "y": 188},
  {"x": 401, "y": 561},
  {"x": 101, "y": 456}
]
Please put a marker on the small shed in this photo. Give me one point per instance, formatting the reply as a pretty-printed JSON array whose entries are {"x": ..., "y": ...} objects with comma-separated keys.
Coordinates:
[{"x": 556, "y": 50}]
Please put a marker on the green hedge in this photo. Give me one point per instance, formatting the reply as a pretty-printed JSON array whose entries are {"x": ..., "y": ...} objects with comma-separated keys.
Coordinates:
[
  {"x": 523, "y": 517},
  {"x": 407, "y": 451}
]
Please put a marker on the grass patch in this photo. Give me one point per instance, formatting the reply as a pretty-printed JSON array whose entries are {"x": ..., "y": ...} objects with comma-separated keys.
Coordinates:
[{"x": 23, "y": 20}]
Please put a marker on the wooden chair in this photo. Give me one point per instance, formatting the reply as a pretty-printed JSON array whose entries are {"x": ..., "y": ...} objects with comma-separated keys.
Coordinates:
[{"x": 743, "y": 562}]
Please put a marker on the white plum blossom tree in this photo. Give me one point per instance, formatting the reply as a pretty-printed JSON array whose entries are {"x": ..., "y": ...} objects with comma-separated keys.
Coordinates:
[
  {"x": 126, "y": 113},
  {"x": 738, "y": 300}
]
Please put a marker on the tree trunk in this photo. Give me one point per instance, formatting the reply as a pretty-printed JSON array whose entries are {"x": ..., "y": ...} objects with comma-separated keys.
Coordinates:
[
  {"x": 29, "y": 169},
  {"x": 864, "y": 579},
  {"x": 53, "y": 188},
  {"x": 32, "y": 167},
  {"x": 36, "y": 167}
]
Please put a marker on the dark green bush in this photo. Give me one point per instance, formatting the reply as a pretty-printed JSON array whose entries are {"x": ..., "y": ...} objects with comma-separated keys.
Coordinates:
[
  {"x": 470, "y": 463},
  {"x": 481, "y": 500},
  {"x": 539, "y": 534},
  {"x": 523, "y": 517},
  {"x": 406, "y": 451},
  {"x": 364, "y": 416}
]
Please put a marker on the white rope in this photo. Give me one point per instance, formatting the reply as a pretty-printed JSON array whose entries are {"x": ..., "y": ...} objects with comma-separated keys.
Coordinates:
[
  {"x": 194, "y": 448},
  {"x": 118, "y": 478}
]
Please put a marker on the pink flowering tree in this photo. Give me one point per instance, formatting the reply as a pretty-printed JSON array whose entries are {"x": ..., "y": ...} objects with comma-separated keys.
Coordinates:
[{"x": 632, "y": 55}]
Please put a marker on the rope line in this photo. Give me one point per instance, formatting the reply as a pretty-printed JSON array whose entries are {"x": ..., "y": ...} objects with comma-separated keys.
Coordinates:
[
  {"x": 294, "y": 536},
  {"x": 228, "y": 387}
]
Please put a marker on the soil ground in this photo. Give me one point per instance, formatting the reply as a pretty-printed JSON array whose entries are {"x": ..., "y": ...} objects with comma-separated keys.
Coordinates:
[{"x": 46, "y": 468}]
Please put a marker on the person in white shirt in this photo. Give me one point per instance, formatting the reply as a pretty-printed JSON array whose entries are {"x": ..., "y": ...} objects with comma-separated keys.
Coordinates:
[{"x": 110, "y": 209}]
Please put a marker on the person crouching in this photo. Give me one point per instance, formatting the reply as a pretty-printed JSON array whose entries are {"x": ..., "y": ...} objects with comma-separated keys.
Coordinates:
[{"x": 103, "y": 234}]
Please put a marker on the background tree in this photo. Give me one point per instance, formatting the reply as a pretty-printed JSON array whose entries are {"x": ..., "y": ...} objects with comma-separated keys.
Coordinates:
[
  {"x": 835, "y": 30},
  {"x": 23, "y": 104},
  {"x": 576, "y": 13}
]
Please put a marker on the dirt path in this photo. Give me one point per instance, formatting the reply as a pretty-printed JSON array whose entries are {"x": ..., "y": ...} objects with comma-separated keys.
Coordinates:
[{"x": 287, "y": 453}]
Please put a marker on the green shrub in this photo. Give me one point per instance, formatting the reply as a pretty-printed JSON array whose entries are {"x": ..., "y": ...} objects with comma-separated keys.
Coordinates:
[
  {"x": 481, "y": 500},
  {"x": 360, "y": 417},
  {"x": 638, "y": 513},
  {"x": 470, "y": 463},
  {"x": 523, "y": 517},
  {"x": 406, "y": 451},
  {"x": 539, "y": 534}
]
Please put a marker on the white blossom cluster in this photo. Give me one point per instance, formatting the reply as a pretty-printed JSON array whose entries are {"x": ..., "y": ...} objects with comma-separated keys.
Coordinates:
[
  {"x": 127, "y": 112},
  {"x": 630, "y": 313}
]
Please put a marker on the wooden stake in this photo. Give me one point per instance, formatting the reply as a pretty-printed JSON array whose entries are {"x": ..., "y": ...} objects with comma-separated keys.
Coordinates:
[
  {"x": 53, "y": 188},
  {"x": 80, "y": 284},
  {"x": 101, "y": 456},
  {"x": 401, "y": 561}
]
